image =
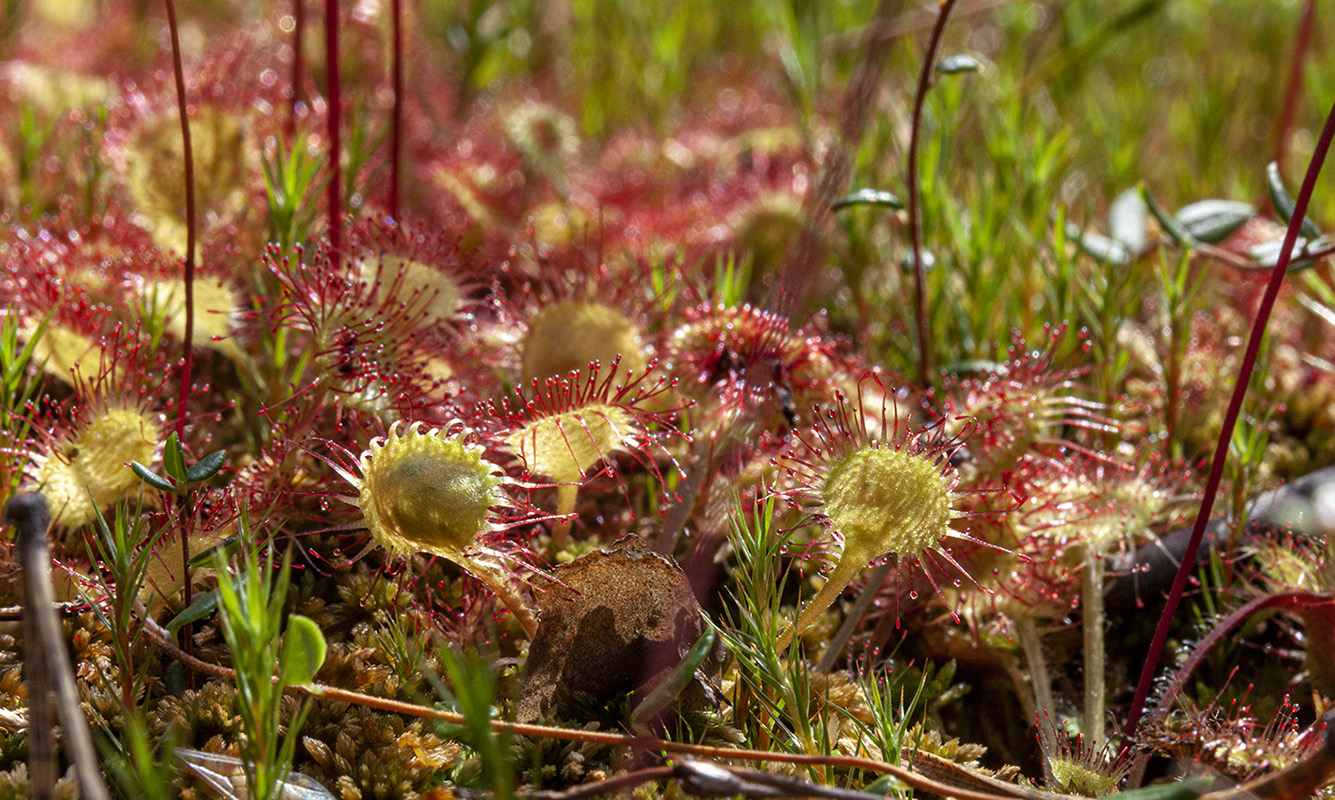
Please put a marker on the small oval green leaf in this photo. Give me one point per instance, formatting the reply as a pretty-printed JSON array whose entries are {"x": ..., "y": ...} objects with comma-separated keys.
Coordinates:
[
  {"x": 1098, "y": 246},
  {"x": 869, "y": 197},
  {"x": 1212, "y": 221},
  {"x": 1284, "y": 202},
  {"x": 1126, "y": 220},
  {"x": 152, "y": 478},
  {"x": 173, "y": 459},
  {"x": 206, "y": 467},
  {"x": 303, "y": 651},
  {"x": 1267, "y": 254},
  {"x": 957, "y": 64}
]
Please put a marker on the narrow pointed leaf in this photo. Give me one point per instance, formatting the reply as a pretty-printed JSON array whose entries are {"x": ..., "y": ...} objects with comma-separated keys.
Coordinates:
[
  {"x": 173, "y": 459},
  {"x": 220, "y": 553},
  {"x": 204, "y": 605},
  {"x": 1283, "y": 201},
  {"x": 1098, "y": 246},
  {"x": 869, "y": 197},
  {"x": 1174, "y": 230}
]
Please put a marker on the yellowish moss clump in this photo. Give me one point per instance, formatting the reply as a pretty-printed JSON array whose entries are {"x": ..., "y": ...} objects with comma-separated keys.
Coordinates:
[
  {"x": 90, "y": 470},
  {"x": 566, "y": 336},
  {"x": 564, "y": 446}
]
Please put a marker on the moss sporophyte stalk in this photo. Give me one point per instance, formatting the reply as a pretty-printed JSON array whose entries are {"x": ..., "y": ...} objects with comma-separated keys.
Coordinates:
[{"x": 433, "y": 492}]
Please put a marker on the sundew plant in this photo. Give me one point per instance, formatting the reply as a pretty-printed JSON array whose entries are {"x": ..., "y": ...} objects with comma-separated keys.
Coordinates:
[{"x": 575, "y": 398}]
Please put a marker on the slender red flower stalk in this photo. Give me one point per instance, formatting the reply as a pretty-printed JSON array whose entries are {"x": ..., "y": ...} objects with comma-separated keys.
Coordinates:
[
  {"x": 335, "y": 177},
  {"x": 915, "y": 212},
  {"x": 1302, "y": 41},
  {"x": 396, "y": 132},
  {"x": 298, "y": 30},
  {"x": 187, "y": 346},
  {"x": 1230, "y": 422},
  {"x": 189, "y": 222}
]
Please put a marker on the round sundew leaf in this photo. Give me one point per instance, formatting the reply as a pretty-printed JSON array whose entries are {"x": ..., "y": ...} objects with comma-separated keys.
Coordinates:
[
  {"x": 564, "y": 446},
  {"x": 887, "y": 501},
  {"x": 1284, "y": 203},
  {"x": 567, "y": 336},
  {"x": 427, "y": 492},
  {"x": 436, "y": 502}
]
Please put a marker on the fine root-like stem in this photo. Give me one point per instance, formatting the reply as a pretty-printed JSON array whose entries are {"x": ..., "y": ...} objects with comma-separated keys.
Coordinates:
[
  {"x": 1040, "y": 682},
  {"x": 566, "y": 496},
  {"x": 1091, "y": 606}
]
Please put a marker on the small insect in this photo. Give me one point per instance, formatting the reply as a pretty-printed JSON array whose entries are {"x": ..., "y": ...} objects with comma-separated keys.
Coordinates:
[{"x": 224, "y": 778}]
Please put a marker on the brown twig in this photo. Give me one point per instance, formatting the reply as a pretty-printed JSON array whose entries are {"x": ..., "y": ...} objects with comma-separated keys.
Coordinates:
[
  {"x": 914, "y": 205},
  {"x": 47, "y": 661}
]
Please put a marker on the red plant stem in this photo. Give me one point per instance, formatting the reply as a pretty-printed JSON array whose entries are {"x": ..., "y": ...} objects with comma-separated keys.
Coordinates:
[
  {"x": 1302, "y": 39},
  {"x": 336, "y": 177},
  {"x": 187, "y": 347},
  {"x": 1230, "y": 423},
  {"x": 186, "y": 355},
  {"x": 1222, "y": 629},
  {"x": 298, "y": 31},
  {"x": 915, "y": 212},
  {"x": 396, "y": 135}
]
